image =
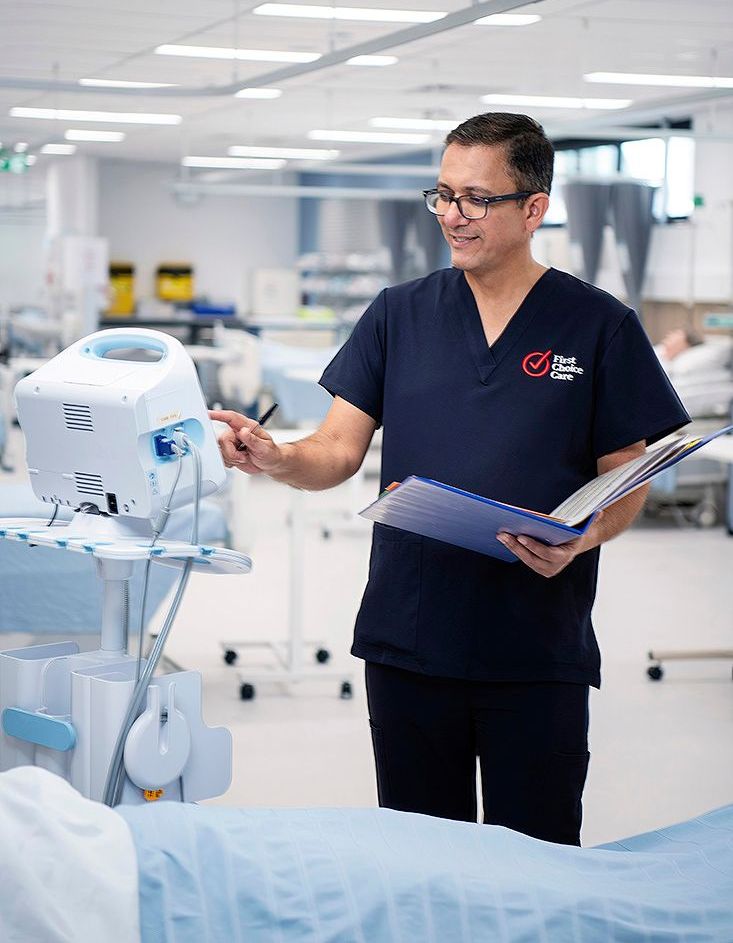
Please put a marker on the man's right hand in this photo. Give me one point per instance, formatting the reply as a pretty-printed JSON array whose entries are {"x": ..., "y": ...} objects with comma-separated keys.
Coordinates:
[{"x": 262, "y": 454}]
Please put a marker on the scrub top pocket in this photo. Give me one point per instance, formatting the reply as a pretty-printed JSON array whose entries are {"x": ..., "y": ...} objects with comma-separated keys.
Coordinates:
[{"x": 389, "y": 608}]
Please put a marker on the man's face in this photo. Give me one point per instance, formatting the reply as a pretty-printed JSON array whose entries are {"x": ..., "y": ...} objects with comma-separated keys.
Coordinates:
[{"x": 480, "y": 246}]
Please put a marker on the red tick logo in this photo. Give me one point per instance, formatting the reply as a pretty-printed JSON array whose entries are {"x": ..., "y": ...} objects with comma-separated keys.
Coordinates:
[{"x": 536, "y": 364}]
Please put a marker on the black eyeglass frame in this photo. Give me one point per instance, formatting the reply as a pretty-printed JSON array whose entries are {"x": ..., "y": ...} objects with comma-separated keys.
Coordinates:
[{"x": 486, "y": 200}]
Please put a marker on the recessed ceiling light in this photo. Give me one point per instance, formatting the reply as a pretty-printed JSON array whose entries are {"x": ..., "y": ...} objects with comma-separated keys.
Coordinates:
[
  {"x": 233, "y": 163},
  {"x": 249, "y": 55},
  {"x": 372, "y": 60},
  {"x": 21, "y": 147},
  {"x": 118, "y": 83},
  {"x": 263, "y": 93},
  {"x": 371, "y": 14},
  {"x": 676, "y": 81},
  {"x": 120, "y": 117},
  {"x": 58, "y": 148},
  {"x": 508, "y": 19},
  {"x": 415, "y": 124},
  {"x": 292, "y": 153},
  {"x": 110, "y": 136},
  {"x": 552, "y": 101},
  {"x": 368, "y": 137}
]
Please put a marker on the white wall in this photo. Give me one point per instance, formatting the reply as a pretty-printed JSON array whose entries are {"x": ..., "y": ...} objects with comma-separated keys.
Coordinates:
[{"x": 223, "y": 237}]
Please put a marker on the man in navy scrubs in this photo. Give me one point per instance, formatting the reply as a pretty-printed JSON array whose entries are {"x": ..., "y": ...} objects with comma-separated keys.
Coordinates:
[{"x": 519, "y": 383}]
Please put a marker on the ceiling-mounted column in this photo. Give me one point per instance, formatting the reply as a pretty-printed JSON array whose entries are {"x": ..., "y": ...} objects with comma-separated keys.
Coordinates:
[
  {"x": 431, "y": 240},
  {"x": 395, "y": 218},
  {"x": 631, "y": 212},
  {"x": 587, "y": 203},
  {"x": 72, "y": 204},
  {"x": 76, "y": 256}
]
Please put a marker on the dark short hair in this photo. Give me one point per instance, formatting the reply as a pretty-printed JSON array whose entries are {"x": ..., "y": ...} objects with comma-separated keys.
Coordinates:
[
  {"x": 530, "y": 156},
  {"x": 693, "y": 338}
]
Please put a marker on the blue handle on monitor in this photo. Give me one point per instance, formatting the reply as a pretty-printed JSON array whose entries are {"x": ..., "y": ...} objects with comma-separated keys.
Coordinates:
[{"x": 101, "y": 346}]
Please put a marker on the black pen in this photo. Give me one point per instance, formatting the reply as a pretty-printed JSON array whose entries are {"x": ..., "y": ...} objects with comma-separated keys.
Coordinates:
[{"x": 241, "y": 447}]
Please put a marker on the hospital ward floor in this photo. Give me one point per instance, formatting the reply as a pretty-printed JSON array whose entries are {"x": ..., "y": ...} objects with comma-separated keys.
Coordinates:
[{"x": 661, "y": 751}]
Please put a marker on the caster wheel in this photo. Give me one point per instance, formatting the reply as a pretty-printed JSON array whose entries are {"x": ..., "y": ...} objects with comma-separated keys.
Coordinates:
[
  {"x": 655, "y": 672},
  {"x": 706, "y": 516},
  {"x": 346, "y": 691},
  {"x": 322, "y": 656},
  {"x": 246, "y": 692},
  {"x": 230, "y": 656}
]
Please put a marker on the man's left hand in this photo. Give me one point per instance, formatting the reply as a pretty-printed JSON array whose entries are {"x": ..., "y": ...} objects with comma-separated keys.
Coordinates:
[{"x": 543, "y": 559}]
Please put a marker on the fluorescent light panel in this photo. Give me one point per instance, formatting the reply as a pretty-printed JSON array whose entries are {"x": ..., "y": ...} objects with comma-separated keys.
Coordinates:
[
  {"x": 119, "y": 83},
  {"x": 359, "y": 14},
  {"x": 109, "y": 136},
  {"x": 21, "y": 147},
  {"x": 292, "y": 153},
  {"x": 261, "y": 93},
  {"x": 368, "y": 137},
  {"x": 508, "y": 19},
  {"x": 552, "y": 101},
  {"x": 58, "y": 148},
  {"x": 248, "y": 55},
  {"x": 233, "y": 163},
  {"x": 119, "y": 117},
  {"x": 414, "y": 124},
  {"x": 372, "y": 60},
  {"x": 676, "y": 81}
]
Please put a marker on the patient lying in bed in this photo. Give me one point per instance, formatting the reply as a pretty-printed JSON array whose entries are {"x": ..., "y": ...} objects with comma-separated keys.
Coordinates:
[
  {"x": 207, "y": 874},
  {"x": 700, "y": 370}
]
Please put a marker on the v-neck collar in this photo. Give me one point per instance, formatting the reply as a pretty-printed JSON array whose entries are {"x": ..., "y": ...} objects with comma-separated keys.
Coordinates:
[{"x": 488, "y": 357}]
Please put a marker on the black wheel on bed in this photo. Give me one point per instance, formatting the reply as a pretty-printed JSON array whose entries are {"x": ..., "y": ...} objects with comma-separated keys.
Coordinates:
[
  {"x": 230, "y": 656},
  {"x": 655, "y": 672},
  {"x": 247, "y": 691},
  {"x": 346, "y": 691},
  {"x": 322, "y": 656}
]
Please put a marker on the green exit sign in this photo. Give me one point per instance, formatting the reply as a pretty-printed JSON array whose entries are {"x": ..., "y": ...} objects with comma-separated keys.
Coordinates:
[{"x": 12, "y": 163}]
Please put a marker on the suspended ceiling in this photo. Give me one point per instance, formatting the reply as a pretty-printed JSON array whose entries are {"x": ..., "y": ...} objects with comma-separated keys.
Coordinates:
[{"x": 55, "y": 43}]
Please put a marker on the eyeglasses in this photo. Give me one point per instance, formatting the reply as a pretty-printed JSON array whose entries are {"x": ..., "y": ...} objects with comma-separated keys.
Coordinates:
[{"x": 470, "y": 207}]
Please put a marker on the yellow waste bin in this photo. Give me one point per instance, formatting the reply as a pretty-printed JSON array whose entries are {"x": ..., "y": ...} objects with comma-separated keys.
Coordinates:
[
  {"x": 122, "y": 289},
  {"x": 174, "y": 282}
]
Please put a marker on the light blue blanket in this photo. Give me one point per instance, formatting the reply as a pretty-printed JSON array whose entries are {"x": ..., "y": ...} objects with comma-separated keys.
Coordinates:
[{"x": 340, "y": 875}]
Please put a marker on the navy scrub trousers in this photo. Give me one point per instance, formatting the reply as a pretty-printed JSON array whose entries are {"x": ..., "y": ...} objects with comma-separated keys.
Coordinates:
[{"x": 531, "y": 739}]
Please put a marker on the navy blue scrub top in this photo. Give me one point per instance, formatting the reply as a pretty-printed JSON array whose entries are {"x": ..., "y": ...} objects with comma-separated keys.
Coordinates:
[{"x": 573, "y": 377}]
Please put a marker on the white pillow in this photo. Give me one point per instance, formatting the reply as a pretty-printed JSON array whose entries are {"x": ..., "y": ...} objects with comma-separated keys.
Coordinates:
[{"x": 710, "y": 355}]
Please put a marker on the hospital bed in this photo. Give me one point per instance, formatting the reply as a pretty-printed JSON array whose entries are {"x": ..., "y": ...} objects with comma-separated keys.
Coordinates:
[
  {"x": 175, "y": 873},
  {"x": 703, "y": 379}
]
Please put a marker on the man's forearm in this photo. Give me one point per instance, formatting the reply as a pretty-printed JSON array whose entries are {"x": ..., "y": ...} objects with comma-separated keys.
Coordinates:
[
  {"x": 315, "y": 463},
  {"x": 615, "y": 519}
]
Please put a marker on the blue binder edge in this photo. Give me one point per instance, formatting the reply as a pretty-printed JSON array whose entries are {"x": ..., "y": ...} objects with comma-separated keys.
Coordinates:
[{"x": 542, "y": 528}]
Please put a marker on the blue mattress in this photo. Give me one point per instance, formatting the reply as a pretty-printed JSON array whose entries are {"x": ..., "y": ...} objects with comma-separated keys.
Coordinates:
[{"x": 370, "y": 875}]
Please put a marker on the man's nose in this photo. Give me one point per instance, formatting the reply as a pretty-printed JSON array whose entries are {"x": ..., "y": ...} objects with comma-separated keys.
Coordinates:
[{"x": 453, "y": 216}]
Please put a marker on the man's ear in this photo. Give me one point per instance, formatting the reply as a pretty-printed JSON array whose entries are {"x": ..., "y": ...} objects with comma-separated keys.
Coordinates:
[{"x": 536, "y": 209}]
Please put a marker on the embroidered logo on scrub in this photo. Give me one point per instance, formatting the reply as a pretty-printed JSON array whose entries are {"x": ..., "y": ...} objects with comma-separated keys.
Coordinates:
[
  {"x": 539, "y": 364},
  {"x": 536, "y": 364}
]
